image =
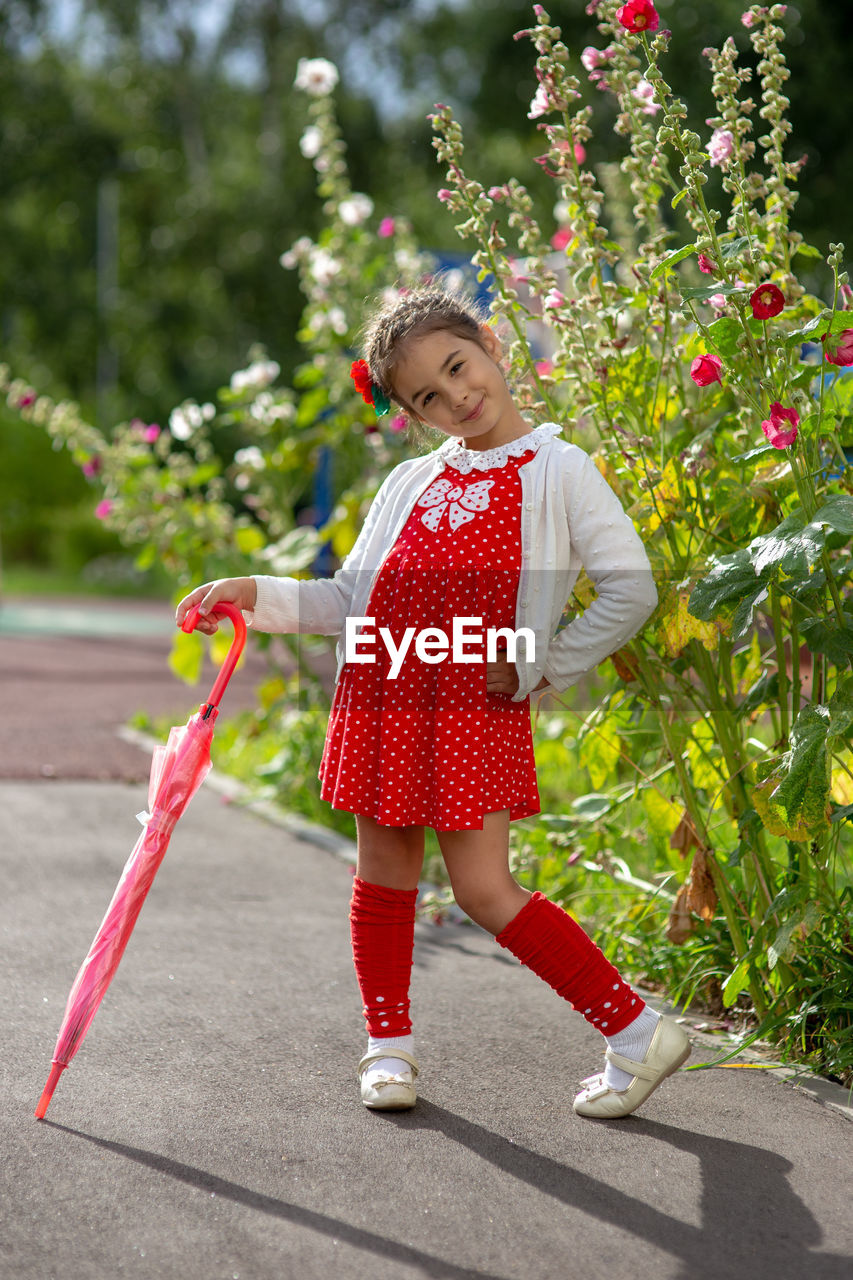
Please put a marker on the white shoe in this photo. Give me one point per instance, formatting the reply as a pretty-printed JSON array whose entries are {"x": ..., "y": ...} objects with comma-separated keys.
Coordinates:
[
  {"x": 386, "y": 1091},
  {"x": 669, "y": 1048}
]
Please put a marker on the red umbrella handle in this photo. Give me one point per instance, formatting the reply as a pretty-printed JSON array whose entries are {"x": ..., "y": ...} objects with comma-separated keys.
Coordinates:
[{"x": 227, "y": 669}]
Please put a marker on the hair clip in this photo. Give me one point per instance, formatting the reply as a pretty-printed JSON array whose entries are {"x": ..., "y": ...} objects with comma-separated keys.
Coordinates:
[{"x": 369, "y": 391}]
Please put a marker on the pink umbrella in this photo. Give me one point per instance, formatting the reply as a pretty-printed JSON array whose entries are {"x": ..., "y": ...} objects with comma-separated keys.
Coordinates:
[{"x": 177, "y": 771}]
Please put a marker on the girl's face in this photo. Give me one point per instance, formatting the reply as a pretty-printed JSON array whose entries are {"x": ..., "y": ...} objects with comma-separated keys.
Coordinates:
[{"x": 453, "y": 384}]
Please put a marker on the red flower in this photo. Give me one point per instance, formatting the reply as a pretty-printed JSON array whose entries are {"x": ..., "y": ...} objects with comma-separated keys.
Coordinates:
[
  {"x": 838, "y": 348},
  {"x": 360, "y": 375},
  {"x": 780, "y": 435},
  {"x": 705, "y": 370},
  {"x": 767, "y": 301},
  {"x": 706, "y": 265},
  {"x": 638, "y": 15}
]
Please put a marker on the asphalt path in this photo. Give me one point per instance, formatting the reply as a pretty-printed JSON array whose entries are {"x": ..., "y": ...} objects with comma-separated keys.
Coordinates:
[{"x": 210, "y": 1125}]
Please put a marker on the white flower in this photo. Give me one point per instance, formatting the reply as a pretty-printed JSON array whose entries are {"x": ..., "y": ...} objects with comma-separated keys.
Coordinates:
[
  {"x": 337, "y": 320},
  {"x": 179, "y": 425},
  {"x": 250, "y": 457},
  {"x": 259, "y": 374},
  {"x": 540, "y": 104},
  {"x": 208, "y": 411},
  {"x": 356, "y": 209},
  {"x": 294, "y": 255},
  {"x": 311, "y": 141},
  {"x": 323, "y": 266},
  {"x": 406, "y": 262},
  {"x": 316, "y": 76},
  {"x": 561, "y": 212}
]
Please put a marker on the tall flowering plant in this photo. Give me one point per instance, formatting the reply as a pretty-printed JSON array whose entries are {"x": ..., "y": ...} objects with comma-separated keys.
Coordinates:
[
  {"x": 682, "y": 346},
  {"x": 228, "y": 486}
]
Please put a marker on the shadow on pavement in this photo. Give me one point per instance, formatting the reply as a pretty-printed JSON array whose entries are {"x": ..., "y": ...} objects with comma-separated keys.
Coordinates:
[
  {"x": 745, "y": 1199},
  {"x": 323, "y": 1223}
]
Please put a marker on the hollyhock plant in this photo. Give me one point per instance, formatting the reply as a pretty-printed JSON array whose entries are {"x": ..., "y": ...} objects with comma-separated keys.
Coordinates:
[
  {"x": 637, "y": 16},
  {"x": 103, "y": 509},
  {"x": 782, "y": 426},
  {"x": 706, "y": 265},
  {"x": 838, "y": 349},
  {"x": 706, "y": 369},
  {"x": 644, "y": 92},
  {"x": 316, "y": 76},
  {"x": 767, "y": 301}
]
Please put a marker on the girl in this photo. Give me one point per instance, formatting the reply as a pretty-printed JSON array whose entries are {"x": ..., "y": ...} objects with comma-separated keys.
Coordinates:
[{"x": 491, "y": 528}]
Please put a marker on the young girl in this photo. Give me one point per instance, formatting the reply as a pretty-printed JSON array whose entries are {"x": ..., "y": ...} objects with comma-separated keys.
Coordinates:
[{"x": 487, "y": 535}]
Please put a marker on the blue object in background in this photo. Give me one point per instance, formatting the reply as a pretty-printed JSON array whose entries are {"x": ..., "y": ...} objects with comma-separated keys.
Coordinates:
[{"x": 323, "y": 565}]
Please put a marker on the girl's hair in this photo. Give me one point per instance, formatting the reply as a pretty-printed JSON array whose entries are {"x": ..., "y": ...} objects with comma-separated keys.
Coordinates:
[{"x": 419, "y": 311}]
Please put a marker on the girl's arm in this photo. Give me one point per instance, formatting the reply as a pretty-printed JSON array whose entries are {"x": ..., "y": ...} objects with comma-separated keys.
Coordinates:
[
  {"x": 605, "y": 542},
  {"x": 320, "y": 606}
]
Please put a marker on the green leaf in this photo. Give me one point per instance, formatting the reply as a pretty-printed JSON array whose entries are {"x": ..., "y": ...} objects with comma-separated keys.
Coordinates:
[
  {"x": 599, "y": 753},
  {"x": 807, "y": 251},
  {"x": 841, "y": 710},
  {"x": 829, "y": 638},
  {"x": 734, "y": 247},
  {"x": 592, "y": 806},
  {"x": 676, "y": 200},
  {"x": 837, "y": 512},
  {"x": 703, "y": 292},
  {"x": 249, "y": 538},
  {"x": 792, "y": 546},
  {"x": 677, "y": 255},
  {"x": 792, "y": 800},
  {"x": 736, "y": 982},
  {"x": 724, "y": 335},
  {"x": 730, "y": 583},
  {"x": 794, "y": 930},
  {"x": 187, "y": 656},
  {"x": 295, "y": 551},
  {"x": 754, "y": 453}
]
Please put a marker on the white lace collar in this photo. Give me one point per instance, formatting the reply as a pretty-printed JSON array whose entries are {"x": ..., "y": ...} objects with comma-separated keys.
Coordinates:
[{"x": 461, "y": 459}]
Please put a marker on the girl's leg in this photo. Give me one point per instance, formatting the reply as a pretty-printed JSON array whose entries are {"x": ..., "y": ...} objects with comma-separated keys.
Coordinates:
[
  {"x": 382, "y": 919},
  {"x": 547, "y": 940}
]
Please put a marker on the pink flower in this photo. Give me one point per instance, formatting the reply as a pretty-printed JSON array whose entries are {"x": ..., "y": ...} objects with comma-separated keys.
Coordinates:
[
  {"x": 445, "y": 196},
  {"x": 838, "y": 349},
  {"x": 151, "y": 433},
  {"x": 580, "y": 153},
  {"x": 103, "y": 509},
  {"x": 706, "y": 265},
  {"x": 562, "y": 239},
  {"x": 774, "y": 427},
  {"x": 720, "y": 147},
  {"x": 748, "y": 18},
  {"x": 544, "y": 368},
  {"x": 497, "y": 193},
  {"x": 541, "y": 103},
  {"x": 766, "y": 301},
  {"x": 644, "y": 92},
  {"x": 399, "y": 422},
  {"x": 718, "y": 301},
  {"x": 386, "y": 229},
  {"x": 24, "y": 401},
  {"x": 706, "y": 369},
  {"x": 638, "y": 15},
  {"x": 591, "y": 57},
  {"x": 554, "y": 300},
  {"x": 91, "y": 467}
]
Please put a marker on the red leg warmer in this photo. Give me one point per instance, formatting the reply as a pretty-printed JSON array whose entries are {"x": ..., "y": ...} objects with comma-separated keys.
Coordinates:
[
  {"x": 547, "y": 940},
  {"x": 383, "y": 938}
]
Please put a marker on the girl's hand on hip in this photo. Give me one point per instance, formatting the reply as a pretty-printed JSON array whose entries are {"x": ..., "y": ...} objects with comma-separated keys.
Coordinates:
[
  {"x": 501, "y": 676},
  {"x": 242, "y": 592}
]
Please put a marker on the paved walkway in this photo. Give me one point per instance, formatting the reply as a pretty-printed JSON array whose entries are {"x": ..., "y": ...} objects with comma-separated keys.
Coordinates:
[{"x": 210, "y": 1128}]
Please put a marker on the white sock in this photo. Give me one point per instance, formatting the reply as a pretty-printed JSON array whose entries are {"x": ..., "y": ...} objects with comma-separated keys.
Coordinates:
[
  {"x": 632, "y": 1042},
  {"x": 390, "y": 1064}
]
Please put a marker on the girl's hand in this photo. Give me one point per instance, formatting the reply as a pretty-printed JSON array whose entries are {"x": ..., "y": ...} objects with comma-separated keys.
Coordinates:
[
  {"x": 242, "y": 592},
  {"x": 501, "y": 676}
]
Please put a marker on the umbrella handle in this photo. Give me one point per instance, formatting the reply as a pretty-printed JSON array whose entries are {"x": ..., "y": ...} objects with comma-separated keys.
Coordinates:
[{"x": 227, "y": 669}]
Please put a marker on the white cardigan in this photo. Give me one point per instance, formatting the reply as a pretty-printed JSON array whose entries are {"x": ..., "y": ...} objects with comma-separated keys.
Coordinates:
[{"x": 570, "y": 518}]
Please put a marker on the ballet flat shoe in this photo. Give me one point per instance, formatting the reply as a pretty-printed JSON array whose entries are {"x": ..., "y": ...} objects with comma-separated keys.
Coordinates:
[
  {"x": 383, "y": 1091},
  {"x": 669, "y": 1048}
]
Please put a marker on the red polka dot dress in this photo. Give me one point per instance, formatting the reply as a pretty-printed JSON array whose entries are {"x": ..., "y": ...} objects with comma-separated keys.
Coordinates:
[{"x": 431, "y": 747}]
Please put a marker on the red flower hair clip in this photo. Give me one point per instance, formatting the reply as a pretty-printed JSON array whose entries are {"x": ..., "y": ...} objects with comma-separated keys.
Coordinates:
[{"x": 369, "y": 391}]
